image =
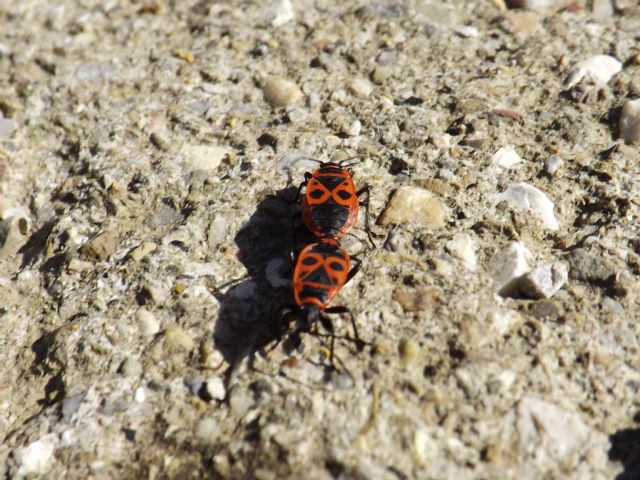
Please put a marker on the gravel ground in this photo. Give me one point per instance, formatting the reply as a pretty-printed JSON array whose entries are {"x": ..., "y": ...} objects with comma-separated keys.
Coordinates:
[{"x": 149, "y": 153}]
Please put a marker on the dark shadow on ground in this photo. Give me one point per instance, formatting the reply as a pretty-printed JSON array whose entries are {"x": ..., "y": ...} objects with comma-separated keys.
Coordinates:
[
  {"x": 249, "y": 316},
  {"x": 625, "y": 448}
]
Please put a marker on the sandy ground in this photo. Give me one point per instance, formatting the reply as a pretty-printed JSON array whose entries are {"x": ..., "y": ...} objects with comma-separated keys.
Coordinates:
[{"x": 149, "y": 152}]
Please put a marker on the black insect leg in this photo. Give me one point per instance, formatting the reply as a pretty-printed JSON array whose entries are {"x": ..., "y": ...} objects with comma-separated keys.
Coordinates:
[
  {"x": 359, "y": 343},
  {"x": 328, "y": 326},
  {"x": 307, "y": 176},
  {"x": 354, "y": 270},
  {"x": 365, "y": 203}
]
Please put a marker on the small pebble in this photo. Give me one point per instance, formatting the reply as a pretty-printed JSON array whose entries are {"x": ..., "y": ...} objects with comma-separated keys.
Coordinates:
[
  {"x": 417, "y": 299},
  {"x": 602, "y": 9},
  {"x": 361, "y": 88},
  {"x": 545, "y": 310},
  {"x": 240, "y": 402},
  {"x": 552, "y": 165},
  {"x": 544, "y": 425},
  {"x": 139, "y": 396},
  {"x": 296, "y": 159},
  {"x": 284, "y": 13},
  {"x": 502, "y": 321},
  {"x": 37, "y": 457},
  {"x": 506, "y": 157},
  {"x": 70, "y": 406},
  {"x": 147, "y": 322},
  {"x": 425, "y": 449},
  {"x": 79, "y": 266},
  {"x": 164, "y": 215},
  {"x": 543, "y": 281},
  {"x": 218, "y": 230},
  {"x": 387, "y": 58},
  {"x": 587, "y": 267},
  {"x": 598, "y": 69},
  {"x": 204, "y": 157},
  {"x": 507, "y": 265},
  {"x": 142, "y": 251},
  {"x": 176, "y": 337},
  {"x": 279, "y": 92},
  {"x": 207, "y": 430},
  {"x": 195, "y": 384},
  {"x": 102, "y": 246},
  {"x": 92, "y": 72},
  {"x": 353, "y": 129},
  {"x": 467, "y": 31},
  {"x": 215, "y": 388},
  {"x": 527, "y": 197},
  {"x": 12, "y": 235},
  {"x": 630, "y": 121},
  {"x": 462, "y": 246},
  {"x": 408, "y": 350},
  {"x": 522, "y": 24},
  {"x": 297, "y": 115},
  {"x": 131, "y": 367},
  {"x": 7, "y": 127},
  {"x": 413, "y": 205},
  {"x": 381, "y": 74},
  {"x": 611, "y": 305}
]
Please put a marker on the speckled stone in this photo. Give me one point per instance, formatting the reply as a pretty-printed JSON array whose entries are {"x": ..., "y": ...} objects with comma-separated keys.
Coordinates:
[
  {"x": 413, "y": 205},
  {"x": 280, "y": 92}
]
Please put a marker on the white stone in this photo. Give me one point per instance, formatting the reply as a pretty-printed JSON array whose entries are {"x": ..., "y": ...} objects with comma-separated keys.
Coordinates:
[
  {"x": 542, "y": 424},
  {"x": 215, "y": 388},
  {"x": 36, "y": 458},
  {"x": 280, "y": 92},
  {"x": 552, "y": 164},
  {"x": 139, "y": 396},
  {"x": 506, "y": 157},
  {"x": 147, "y": 322},
  {"x": 543, "y": 281},
  {"x": 217, "y": 231},
  {"x": 630, "y": 121},
  {"x": 204, "y": 157},
  {"x": 462, "y": 246},
  {"x": 508, "y": 264},
  {"x": 361, "y": 87},
  {"x": 501, "y": 321},
  {"x": 602, "y": 9},
  {"x": 467, "y": 31},
  {"x": 598, "y": 69},
  {"x": 353, "y": 130},
  {"x": 207, "y": 430},
  {"x": 284, "y": 13},
  {"x": 529, "y": 198},
  {"x": 425, "y": 448},
  {"x": 296, "y": 159},
  {"x": 413, "y": 205}
]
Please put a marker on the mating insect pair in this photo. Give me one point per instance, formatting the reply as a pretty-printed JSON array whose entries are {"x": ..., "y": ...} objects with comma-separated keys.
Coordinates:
[{"x": 329, "y": 207}]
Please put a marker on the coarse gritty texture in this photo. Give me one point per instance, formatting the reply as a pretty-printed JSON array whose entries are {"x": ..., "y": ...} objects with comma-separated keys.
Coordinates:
[{"x": 146, "y": 228}]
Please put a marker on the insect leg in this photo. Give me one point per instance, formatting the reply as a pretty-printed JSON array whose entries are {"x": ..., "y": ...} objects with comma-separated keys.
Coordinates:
[
  {"x": 365, "y": 203},
  {"x": 359, "y": 343}
]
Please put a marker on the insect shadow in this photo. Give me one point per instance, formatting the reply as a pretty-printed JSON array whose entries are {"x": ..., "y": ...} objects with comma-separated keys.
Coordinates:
[
  {"x": 625, "y": 448},
  {"x": 250, "y": 311}
]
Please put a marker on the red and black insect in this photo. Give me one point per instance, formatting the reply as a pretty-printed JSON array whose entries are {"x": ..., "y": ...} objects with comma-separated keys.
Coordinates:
[
  {"x": 330, "y": 203},
  {"x": 321, "y": 270}
]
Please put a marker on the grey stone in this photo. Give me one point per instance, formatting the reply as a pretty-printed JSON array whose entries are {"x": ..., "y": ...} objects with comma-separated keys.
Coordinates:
[{"x": 588, "y": 267}]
